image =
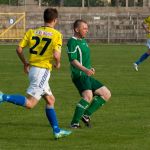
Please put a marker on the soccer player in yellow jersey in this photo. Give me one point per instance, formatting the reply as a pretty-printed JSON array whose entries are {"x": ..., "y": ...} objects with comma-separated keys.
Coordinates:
[
  {"x": 45, "y": 49},
  {"x": 146, "y": 26}
]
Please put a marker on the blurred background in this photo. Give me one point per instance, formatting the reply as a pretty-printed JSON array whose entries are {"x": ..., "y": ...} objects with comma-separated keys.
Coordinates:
[{"x": 110, "y": 21}]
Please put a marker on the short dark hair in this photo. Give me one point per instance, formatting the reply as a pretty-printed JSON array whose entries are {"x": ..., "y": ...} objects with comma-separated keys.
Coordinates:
[
  {"x": 77, "y": 23},
  {"x": 50, "y": 14}
]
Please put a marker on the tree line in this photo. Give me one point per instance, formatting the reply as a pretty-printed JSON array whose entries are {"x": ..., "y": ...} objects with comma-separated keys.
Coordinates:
[
  {"x": 92, "y": 3},
  {"x": 78, "y": 3}
]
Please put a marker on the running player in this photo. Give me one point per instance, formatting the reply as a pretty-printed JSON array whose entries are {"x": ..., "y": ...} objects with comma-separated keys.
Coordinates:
[
  {"x": 44, "y": 47},
  {"x": 146, "y": 26}
]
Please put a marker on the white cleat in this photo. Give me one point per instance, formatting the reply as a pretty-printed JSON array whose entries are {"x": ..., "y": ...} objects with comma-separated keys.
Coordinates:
[
  {"x": 62, "y": 133},
  {"x": 1, "y": 97},
  {"x": 135, "y": 66}
]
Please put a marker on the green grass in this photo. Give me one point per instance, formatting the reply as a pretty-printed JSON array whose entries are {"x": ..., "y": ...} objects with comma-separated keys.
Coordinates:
[{"x": 122, "y": 124}]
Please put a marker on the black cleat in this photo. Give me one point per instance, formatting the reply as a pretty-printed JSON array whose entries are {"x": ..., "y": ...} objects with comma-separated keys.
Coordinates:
[
  {"x": 86, "y": 119},
  {"x": 75, "y": 126}
]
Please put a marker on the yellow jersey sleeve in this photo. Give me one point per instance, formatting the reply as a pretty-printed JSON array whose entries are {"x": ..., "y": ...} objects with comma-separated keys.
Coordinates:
[
  {"x": 25, "y": 41},
  {"x": 58, "y": 42}
]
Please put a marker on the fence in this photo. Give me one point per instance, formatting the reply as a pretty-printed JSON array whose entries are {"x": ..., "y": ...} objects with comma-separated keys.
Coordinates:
[
  {"x": 103, "y": 27},
  {"x": 12, "y": 25},
  {"x": 107, "y": 27}
]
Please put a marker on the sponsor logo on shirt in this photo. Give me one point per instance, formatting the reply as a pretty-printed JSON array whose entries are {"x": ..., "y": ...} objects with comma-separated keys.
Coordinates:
[{"x": 40, "y": 32}]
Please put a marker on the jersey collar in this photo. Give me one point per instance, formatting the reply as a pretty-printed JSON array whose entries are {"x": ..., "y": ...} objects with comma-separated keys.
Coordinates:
[{"x": 76, "y": 38}]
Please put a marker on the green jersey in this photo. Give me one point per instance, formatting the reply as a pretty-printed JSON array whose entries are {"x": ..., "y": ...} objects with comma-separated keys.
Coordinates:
[{"x": 78, "y": 50}]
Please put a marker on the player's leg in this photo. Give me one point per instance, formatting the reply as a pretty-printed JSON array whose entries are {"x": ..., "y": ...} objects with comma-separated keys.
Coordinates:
[
  {"x": 50, "y": 112},
  {"x": 31, "y": 101},
  {"x": 143, "y": 56},
  {"x": 83, "y": 85},
  {"x": 13, "y": 98},
  {"x": 82, "y": 105},
  {"x": 141, "y": 59},
  {"x": 51, "y": 116},
  {"x": 28, "y": 102},
  {"x": 34, "y": 91},
  {"x": 102, "y": 96}
]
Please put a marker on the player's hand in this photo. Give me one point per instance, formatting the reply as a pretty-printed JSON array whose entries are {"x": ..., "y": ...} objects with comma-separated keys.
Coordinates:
[
  {"x": 26, "y": 68},
  {"x": 89, "y": 72},
  {"x": 57, "y": 65},
  {"x": 93, "y": 70}
]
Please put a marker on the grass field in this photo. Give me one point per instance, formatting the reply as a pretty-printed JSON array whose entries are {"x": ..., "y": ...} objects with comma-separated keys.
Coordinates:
[{"x": 122, "y": 124}]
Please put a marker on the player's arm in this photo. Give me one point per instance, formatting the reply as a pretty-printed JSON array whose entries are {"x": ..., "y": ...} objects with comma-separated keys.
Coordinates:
[
  {"x": 57, "y": 58},
  {"x": 20, "y": 54},
  {"x": 57, "y": 51},
  {"x": 23, "y": 43},
  {"x": 77, "y": 64}
]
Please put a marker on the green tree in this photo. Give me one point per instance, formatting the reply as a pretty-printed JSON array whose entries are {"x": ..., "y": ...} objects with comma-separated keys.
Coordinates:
[
  {"x": 78, "y": 3},
  {"x": 11, "y": 2}
]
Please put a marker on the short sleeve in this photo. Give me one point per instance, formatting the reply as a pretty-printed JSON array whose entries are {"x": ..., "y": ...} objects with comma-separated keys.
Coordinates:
[
  {"x": 58, "y": 42},
  {"x": 24, "y": 42},
  {"x": 72, "y": 50}
]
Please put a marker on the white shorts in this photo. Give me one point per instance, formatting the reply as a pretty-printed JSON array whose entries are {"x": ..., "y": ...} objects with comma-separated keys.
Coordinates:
[
  {"x": 148, "y": 43},
  {"x": 39, "y": 85}
]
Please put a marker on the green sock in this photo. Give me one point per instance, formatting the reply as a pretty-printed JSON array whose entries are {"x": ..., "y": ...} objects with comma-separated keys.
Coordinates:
[
  {"x": 79, "y": 111},
  {"x": 95, "y": 105}
]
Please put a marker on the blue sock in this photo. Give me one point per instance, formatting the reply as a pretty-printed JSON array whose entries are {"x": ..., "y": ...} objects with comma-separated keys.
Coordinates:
[
  {"x": 51, "y": 115},
  {"x": 15, "y": 99},
  {"x": 142, "y": 58}
]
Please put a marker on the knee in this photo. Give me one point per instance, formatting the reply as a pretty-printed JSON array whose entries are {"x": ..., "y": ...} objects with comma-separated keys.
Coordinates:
[
  {"x": 50, "y": 100},
  {"x": 107, "y": 95},
  {"x": 88, "y": 98},
  {"x": 103, "y": 92},
  {"x": 30, "y": 103},
  {"x": 30, "y": 106}
]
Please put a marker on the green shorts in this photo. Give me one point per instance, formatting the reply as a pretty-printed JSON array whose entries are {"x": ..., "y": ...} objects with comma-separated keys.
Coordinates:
[{"x": 86, "y": 83}]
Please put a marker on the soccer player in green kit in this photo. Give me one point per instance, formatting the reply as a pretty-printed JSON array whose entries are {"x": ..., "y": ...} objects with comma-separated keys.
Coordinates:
[{"x": 93, "y": 93}]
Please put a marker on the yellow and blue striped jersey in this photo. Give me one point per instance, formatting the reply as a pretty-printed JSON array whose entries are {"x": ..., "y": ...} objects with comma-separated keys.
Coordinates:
[
  {"x": 147, "y": 22},
  {"x": 42, "y": 42}
]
